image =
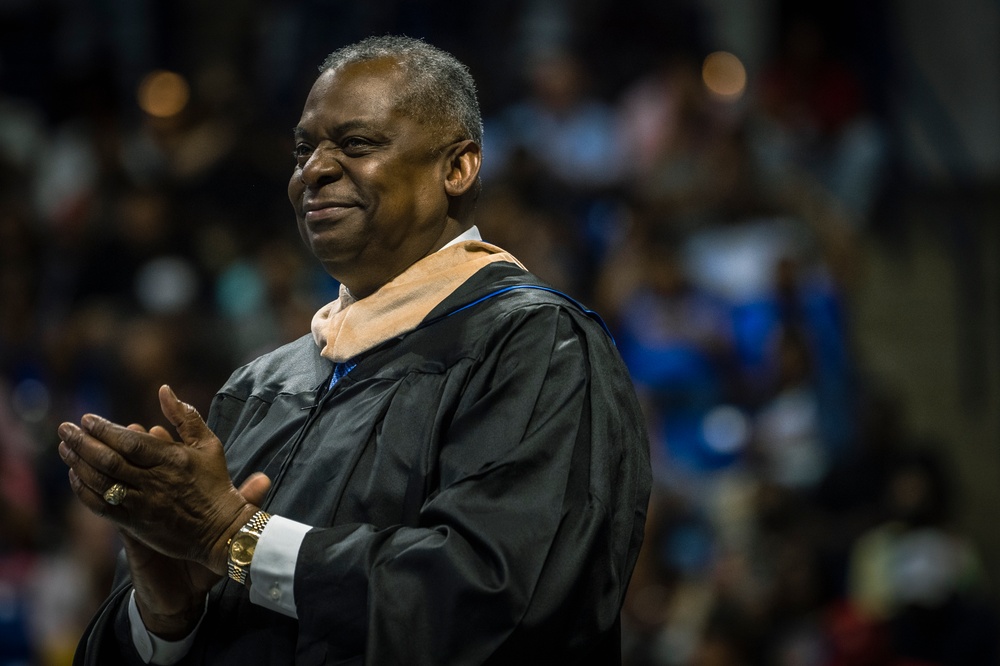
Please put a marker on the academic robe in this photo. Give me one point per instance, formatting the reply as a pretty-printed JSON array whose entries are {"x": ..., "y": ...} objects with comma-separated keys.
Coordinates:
[{"x": 477, "y": 487}]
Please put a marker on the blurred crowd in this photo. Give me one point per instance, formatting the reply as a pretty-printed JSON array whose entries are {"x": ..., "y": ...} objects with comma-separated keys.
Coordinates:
[{"x": 716, "y": 229}]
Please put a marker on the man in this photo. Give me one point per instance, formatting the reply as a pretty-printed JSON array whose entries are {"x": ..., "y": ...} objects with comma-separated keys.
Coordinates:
[{"x": 451, "y": 469}]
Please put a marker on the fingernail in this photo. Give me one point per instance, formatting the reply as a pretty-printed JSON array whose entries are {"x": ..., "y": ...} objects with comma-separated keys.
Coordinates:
[
  {"x": 88, "y": 421},
  {"x": 64, "y": 451},
  {"x": 65, "y": 431}
]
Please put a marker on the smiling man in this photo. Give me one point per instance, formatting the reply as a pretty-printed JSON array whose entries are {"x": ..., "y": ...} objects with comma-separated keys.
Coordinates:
[{"x": 450, "y": 469}]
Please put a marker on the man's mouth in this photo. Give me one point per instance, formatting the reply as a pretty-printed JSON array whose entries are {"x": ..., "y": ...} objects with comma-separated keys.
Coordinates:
[{"x": 319, "y": 212}]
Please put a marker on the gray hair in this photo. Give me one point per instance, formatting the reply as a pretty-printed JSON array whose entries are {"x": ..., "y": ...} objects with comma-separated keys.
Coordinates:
[{"x": 440, "y": 90}]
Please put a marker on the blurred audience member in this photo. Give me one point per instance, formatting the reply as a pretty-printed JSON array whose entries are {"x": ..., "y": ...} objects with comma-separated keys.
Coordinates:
[
  {"x": 815, "y": 117},
  {"x": 918, "y": 577},
  {"x": 69, "y": 582},
  {"x": 559, "y": 145},
  {"x": 675, "y": 338},
  {"x": 670, "y": 128},
  {"x": 787, "y": 433},
  {"x": 20, "y": 509},
  {"x": 559, "y": 125}
]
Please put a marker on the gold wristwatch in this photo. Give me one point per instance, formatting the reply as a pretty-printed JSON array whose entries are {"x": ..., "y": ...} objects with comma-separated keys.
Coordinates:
[{"x": 242, "y": 546}]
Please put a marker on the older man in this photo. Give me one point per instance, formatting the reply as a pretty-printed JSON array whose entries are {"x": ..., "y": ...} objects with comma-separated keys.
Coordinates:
[{"x": 452, "y": 467}]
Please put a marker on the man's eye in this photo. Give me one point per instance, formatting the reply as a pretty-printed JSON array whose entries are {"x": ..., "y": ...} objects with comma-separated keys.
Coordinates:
[
  {"x": 355, "y": 144},
  {"x": 301, "y": 152}
]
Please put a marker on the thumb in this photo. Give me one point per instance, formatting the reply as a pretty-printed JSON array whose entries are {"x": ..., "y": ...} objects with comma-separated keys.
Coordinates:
[
  {"x": 255, "y": 488},
  {"x": 185, "y": 418}
]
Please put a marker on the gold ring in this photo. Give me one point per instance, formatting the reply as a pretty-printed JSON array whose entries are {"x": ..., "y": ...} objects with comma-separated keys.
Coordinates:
[{"x": 115, "y": 494}]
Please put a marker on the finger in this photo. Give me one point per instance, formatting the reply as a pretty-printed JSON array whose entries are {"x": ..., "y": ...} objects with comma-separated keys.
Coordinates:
[
  {"x": 85, "y": 473},
  {"x": 160, "y": 432},
  {"x": 138, "y": 448},
  {"x": 92, "y": 499},
  {"x": 97, "y": 464},
  {"x": 255, "y": 488},
  {"x": 190, "y": 426}
]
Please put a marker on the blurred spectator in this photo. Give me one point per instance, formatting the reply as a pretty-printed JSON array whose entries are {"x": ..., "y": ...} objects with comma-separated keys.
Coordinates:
[
  {"x": 267, "y": 297},
  {"x": 669, "y": 126},
  {"x": 20, "y": 508},
  {"x": 507, "y": 217},
  {"x": 137, "y": 261},
  {"x": 675, "y": 339},
  {"x": 920, "y": 577},
  {"x": 735, "y": 330},
  {"x": 69, "y": 582},
  {"x": 917, "y": 508},
  {"x": 815, "y": 118},
  {"x": 787, "y": 433},
  {"x": 559, "y": 145},
  {"x": 559, "y": 125},
  {"x": 766, "y": 257}
]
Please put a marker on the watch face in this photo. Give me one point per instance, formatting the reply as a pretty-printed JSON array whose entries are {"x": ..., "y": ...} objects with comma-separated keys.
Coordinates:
[{"x": 241, "y": 549}]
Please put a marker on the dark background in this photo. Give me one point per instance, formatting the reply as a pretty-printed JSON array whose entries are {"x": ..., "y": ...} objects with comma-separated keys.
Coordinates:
[{"x": 807, "y": 269}]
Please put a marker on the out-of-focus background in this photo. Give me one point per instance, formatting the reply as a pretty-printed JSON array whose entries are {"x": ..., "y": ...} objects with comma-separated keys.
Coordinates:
[{"x": 785, "y": 210}]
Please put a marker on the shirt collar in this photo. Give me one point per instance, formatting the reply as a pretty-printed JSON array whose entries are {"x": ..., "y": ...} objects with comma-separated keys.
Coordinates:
[{"x": 472, "y": 233}]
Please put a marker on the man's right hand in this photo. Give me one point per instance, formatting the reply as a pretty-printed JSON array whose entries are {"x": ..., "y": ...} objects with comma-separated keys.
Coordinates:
[{"x": 170, "y": 592}]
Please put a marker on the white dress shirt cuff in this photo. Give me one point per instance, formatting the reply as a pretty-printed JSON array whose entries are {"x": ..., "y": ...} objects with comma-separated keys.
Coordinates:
[
  {"x": 272, "y": 574},
  {"x": 151, "y": 648}
]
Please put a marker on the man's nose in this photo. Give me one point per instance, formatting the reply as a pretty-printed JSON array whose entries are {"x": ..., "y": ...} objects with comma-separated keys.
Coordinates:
[{"x": 321, "y": 167}]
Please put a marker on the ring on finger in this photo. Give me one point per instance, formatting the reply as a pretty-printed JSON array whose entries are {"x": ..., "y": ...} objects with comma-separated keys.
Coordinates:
[{"x": 115, "y": 495}]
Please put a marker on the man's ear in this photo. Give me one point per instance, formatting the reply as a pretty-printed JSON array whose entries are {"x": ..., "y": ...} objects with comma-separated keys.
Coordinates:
[{"x": 464, "y": 159}]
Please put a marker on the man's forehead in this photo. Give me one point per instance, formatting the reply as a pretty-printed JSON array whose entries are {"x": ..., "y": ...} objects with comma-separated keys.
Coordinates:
[
  {"x": 382, "y": 77},
  {"x": 364, "y": 87}
]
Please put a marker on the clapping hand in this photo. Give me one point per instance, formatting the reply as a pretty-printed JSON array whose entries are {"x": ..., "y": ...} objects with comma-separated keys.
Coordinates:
[{"x": 173, "y": 502}]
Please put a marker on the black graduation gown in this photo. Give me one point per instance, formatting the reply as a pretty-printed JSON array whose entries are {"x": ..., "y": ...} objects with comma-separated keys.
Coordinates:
[{"x": 478, "y": 489}]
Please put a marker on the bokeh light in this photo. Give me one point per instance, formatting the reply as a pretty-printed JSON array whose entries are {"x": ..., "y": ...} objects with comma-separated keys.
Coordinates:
[
  {"x": 724, "y": 75},
  {"x": 163, "y": 94}
]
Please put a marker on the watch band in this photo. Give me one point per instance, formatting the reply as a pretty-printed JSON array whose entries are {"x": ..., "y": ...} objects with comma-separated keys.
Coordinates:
[{"x": 253, "y": 527}]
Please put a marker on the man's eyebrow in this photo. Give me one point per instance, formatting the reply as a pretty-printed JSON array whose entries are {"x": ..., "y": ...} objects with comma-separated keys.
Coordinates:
[{"x": 347, "y": 126}]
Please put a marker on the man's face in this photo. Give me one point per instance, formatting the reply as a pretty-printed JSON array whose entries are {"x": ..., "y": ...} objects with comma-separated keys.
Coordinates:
[{"x": 368, "y": 184}]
